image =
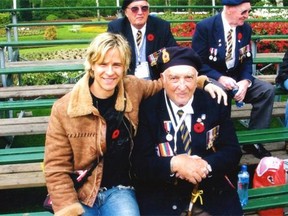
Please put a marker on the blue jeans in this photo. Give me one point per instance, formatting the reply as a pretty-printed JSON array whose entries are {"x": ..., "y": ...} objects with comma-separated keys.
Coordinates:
[{"x": 120, "y": 201}]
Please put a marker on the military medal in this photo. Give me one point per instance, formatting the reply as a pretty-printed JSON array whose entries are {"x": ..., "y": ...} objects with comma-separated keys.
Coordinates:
[
  {"x": 169, "y": 137},
  {"x": 248, "y": 54},
  {"x": 241, "y": 55},
  {"x": 211, "y": 54},
  {"x": 211, "y": 136},
  {"x": 215, "y": 54},
  {"x": 167, "y": 126}
]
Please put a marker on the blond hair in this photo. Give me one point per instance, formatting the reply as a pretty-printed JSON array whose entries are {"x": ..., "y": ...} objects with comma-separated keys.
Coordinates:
[{"x": 101, "y": 44}]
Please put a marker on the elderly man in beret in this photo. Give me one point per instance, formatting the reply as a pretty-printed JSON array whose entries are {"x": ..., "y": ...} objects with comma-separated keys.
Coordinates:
[
  {"x": 146, "y": 34},
  {"x": 185, "y": 142},
  {"x": 223, "y": 42}
]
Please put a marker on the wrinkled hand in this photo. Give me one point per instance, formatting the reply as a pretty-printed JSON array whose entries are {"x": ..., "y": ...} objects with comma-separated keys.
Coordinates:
[
  {"x": 214, "y": 90},
  {"x": 190, "y": 168},
  {"x": 228, "y": 82},
  {"x": 242, "y": 90}
]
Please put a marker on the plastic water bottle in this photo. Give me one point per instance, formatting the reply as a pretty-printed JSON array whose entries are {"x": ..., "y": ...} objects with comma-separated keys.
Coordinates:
[
  {"x": 239, "y": 104},
  {"x": 243, "y": 185}
]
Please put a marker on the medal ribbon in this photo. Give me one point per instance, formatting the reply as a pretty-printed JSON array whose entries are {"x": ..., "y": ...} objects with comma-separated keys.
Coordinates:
[{"x": 173, "y": 120}]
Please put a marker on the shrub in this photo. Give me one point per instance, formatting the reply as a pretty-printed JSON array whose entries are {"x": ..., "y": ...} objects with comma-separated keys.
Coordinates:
[
  {"x": 4, "y": 19},
  {"x": 50, "y": 33},
  {"x": 51, "y": 17}
]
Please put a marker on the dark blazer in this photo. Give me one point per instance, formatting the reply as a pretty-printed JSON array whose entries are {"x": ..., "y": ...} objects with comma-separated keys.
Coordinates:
[
  {"x": 210, "y": 34},
  {"x": 156, "y": 189},
  {"x": 158, "y": 35},
  {"x": 283, "y": 71}
]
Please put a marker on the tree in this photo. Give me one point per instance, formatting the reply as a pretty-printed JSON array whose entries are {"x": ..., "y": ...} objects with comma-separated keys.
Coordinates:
[{"x": 25, "y": 15}]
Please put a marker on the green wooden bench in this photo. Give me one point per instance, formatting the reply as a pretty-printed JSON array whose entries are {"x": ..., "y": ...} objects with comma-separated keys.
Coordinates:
[
  {"x": 39, "y": 69},
  {"x": 269, "y": 135},
  {"x": 25, "y": 104},
  {"x": 21, "y": 155},
  {"x": 267, "y": 198}
]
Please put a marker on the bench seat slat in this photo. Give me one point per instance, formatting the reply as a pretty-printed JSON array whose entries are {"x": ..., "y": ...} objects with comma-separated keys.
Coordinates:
[
  {"x": 21, "y": 168},
  {"x": 22, "y": 175},
  {"x": 10, "y": 130},
  {"x": 263, "y": 60},
  {"x": 39, "y": 69},
  {"x": 268, "y": 138},
  {"x": 23, "y": 150},
  {"x": 267, "y": 202},
  {"x": 262, "y": 131},
  {"x": 267, "y": 191},
  {"x": 245, "y": 111},
  {"x": 23, "y": 126},
  {"x": 267, "y": 197},
  {"x": 23, "y": 158},
  {"x": 24, "y": 120},
  {"x": 22, "y": 180},
  {"x": 24, "y": 104},
  {"x": 262, "y": 136},
  {"x": 35, "y": 91}
]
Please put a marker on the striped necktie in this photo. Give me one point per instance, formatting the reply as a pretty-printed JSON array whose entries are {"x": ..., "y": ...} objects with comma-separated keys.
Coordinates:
[
  {"x": 229, "y": 45},
  {"x": 184, "y": 134},
  {"x": 138, "y": 38}
]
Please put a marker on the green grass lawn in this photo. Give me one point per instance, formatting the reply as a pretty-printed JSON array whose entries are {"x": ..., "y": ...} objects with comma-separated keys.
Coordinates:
[{"x": 63, "y": 33}]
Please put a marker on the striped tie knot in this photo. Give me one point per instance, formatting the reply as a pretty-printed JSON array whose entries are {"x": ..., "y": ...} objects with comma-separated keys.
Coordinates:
[
  {"x": 184, "y": 133},
  {"x": 138, "y": 38},
  {"x": 180, "y": 113}
]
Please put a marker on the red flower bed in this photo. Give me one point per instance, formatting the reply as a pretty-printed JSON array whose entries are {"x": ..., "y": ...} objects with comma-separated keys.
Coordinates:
[
  {"x": 271, "y": 28},
  {"x": 187, "y": 29}
]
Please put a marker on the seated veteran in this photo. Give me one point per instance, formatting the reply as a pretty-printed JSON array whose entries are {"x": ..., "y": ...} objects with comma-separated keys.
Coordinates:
[{"x": 186, "y": 152}]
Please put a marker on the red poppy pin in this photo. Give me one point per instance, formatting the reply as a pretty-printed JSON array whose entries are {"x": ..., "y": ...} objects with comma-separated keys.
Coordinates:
[
  {"x": 115, "y": 134},
  {"x": 199, "y": 127},
  {"x": 150, "y": 37},
  {"x": 239, "y": 36}
]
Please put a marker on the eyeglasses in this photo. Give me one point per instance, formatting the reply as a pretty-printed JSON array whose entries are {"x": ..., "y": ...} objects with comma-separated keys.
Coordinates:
[
  {"x": 136, "y": 9},
  {"x": 245, "y": 11}
]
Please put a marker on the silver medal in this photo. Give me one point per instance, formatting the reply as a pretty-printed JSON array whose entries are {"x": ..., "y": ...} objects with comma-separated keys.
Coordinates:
[{"x": 169, "y": 137}]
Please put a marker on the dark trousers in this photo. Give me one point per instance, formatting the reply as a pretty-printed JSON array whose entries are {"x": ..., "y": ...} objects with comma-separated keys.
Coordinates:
[{"x": 169, "y": 201}]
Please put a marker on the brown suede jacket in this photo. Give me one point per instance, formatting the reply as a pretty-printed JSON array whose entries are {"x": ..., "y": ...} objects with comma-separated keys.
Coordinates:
[{"x": 76, "y": 137}]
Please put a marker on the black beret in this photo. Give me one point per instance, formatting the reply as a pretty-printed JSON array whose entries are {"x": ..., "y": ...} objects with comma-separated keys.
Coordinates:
[
  {"x": 233, "y": 2},
  {"x": 172, "y": 56},
  {"x": 127, "y": 2}
]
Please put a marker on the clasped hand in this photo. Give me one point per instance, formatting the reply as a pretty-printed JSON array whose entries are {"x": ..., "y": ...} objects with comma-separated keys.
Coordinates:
[{"x": 190, "y": 168}]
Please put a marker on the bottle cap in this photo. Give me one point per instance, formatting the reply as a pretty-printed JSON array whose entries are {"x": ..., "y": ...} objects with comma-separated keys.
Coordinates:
[{"x": 244, "y": 167}]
